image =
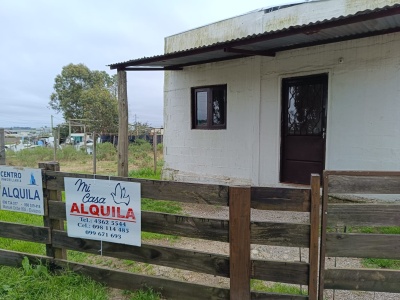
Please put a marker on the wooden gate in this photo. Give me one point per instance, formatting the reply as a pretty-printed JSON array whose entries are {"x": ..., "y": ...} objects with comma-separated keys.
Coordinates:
[{"x": 353, "y": 230}]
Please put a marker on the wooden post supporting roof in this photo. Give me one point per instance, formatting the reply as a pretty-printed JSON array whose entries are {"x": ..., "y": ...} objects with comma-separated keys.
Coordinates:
[{"x": 123, "y": 125}]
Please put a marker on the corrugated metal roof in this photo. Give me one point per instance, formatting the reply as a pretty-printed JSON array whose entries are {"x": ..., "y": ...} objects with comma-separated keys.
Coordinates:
[{"x": 362, "y": 24}]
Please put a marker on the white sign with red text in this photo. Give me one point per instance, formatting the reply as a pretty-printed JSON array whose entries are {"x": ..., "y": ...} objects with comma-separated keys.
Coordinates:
[
  {"x": 103, "y": 210},
  {"x": 21, "y": 190}
]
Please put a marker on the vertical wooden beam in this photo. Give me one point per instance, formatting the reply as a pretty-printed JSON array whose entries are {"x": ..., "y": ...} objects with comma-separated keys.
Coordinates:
[
  {"x": 2, "y": 147},
  {"x": 123, "y": 124},
  {"x": 239, "y": 242},
  {"x": 53, "y": 224},
  {"x": 314, "y": 237},
  {"x": 324, "y": 215},
  {"x": 94, "y": 152}
]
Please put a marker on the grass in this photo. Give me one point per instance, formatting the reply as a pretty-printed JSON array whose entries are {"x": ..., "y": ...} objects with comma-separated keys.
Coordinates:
[
  {"x": 145, "y": 294},
  {"x": 35, "y": 282},
  {"x": 381, "y": 263},
  {"x": 17, "y": 245},
  {"x": 278, "y": 288}
]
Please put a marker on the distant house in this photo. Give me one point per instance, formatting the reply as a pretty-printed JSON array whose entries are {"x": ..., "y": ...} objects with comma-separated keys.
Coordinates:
[{"x": 271, "y": 96}]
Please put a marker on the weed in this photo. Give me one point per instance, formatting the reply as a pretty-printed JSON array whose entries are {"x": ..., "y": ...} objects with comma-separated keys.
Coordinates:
[
  {"x": 169, "y": 207},
  {"x": 145, "y": 294},
  {"x": 35, "y": 282},
  {"x": 381, "y": 263},
  {"x": 279, "y": 288}
]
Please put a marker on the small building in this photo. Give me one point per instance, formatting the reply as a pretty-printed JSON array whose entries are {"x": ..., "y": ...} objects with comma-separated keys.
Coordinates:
[{"x": 271, "y": 96}]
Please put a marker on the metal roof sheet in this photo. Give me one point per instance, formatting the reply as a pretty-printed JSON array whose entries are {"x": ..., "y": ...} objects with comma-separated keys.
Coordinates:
[{"x": 362, "y": 24}]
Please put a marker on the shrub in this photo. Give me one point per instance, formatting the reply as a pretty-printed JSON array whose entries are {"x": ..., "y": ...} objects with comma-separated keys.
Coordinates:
[{"x": 106, "y": 151}]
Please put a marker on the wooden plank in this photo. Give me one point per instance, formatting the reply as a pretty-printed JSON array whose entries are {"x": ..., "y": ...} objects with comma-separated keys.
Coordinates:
[
  {"x": 363, "y": 215},
  {"x": 211, "y": 229},
  {"x": 201, "y": 228},
  {"x": 57, "y": 210},
  {"x": 191, "y": 260},
  {"x": 263, "y": 233},
  {"x": 363, "y": 245},
  {"x": 314, "y": 237},
  {"x": 159, "y": 190},
  {"x": 365, "y": 183},
  {"x": 285, "y": 199},
  {"x": 274, "y": 296},
  {"x": 14, "y": 259},
  {"x": 25, "y": 232},
  {"x": 239, "y": 242},
  {"x": 169, "y": 288},
  {"x": 48, "y": 221},
  {"x": 363, "y": 280},
  {"x": 280, "y": 271},
  {"x": 280, "y": 234}
]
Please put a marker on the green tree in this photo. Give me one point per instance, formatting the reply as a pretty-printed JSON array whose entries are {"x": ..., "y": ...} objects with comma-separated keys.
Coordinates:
[
  {"x": 139, "y": 128},
  {"x": 80, "y": 93}
]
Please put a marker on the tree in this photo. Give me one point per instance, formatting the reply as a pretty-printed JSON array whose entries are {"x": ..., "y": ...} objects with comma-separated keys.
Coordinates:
[
  {"x": 139, "y": 128},
  {"x": 80, "y": 93}
]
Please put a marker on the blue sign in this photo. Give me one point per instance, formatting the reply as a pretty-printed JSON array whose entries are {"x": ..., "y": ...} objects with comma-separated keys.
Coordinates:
[{"x": 21, "y": 190}]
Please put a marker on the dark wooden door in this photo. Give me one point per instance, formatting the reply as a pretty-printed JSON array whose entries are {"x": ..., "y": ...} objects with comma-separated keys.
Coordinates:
[{"x": 303, "y": 127}]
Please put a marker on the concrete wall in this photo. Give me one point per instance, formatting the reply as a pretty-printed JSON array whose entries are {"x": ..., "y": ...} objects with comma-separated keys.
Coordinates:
[
  {"x": 258, "y": 22},
  {"x": 363, "y": 130}
]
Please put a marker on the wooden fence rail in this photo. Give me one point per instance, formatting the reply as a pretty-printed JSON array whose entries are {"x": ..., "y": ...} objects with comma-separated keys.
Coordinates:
[{"x": 239, "y": 231}]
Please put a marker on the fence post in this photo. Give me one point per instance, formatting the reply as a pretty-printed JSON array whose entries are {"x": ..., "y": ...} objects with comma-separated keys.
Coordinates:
[
  {"x": 53, "y": 224},
  {"x": 2, "y": 148},
  {"x": 239, "y": 242},
  {"x": 314, "y": 237}
]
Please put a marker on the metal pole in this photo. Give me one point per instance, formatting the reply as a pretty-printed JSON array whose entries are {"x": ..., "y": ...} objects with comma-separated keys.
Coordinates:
[{"x": 53, "y": 132}]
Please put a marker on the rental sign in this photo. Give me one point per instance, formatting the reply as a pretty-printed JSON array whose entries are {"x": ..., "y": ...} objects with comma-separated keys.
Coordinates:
[
  {"x": 103, "y": 210},
  {"x": 21, "y": 190}
]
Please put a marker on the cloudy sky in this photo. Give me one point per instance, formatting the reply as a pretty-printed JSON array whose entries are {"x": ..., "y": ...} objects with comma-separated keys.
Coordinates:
[{"x": 39, "y": 37}]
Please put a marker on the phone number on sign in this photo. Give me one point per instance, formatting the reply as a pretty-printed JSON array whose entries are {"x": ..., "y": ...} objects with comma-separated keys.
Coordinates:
[{"x": 103, "y": 234}]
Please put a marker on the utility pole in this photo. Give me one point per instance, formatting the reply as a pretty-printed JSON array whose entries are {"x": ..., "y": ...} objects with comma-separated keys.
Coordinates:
[{"x": 2, "y": 147}]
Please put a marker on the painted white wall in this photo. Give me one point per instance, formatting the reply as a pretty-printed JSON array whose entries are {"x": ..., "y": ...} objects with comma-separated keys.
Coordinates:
[
  {"x": 193, "y": 152},
  {"x": 363, "y": 130},
  {"x": 258, "y": 22}
]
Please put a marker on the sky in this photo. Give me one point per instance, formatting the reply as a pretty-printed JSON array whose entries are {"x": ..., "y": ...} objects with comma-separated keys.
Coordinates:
[{"x": 39, "y": 37}]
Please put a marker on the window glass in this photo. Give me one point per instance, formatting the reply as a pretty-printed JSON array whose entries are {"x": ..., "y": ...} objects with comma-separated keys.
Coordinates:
[
  {"x": 218, "y": 109},
  {"x": 201, "y": 109}
]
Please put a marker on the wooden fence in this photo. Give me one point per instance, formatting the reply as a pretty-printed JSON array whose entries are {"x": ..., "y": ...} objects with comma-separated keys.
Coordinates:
[
  {"x": 239, "y": 231},
  {"x": 339, "y": 219}
]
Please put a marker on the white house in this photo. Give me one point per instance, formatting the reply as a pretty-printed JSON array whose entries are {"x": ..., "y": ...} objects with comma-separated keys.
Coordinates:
[{"x": 271, "y": 96}]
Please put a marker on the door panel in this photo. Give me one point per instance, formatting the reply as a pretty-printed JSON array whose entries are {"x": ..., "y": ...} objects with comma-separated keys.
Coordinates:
[{"x": 303, "y": 127}]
